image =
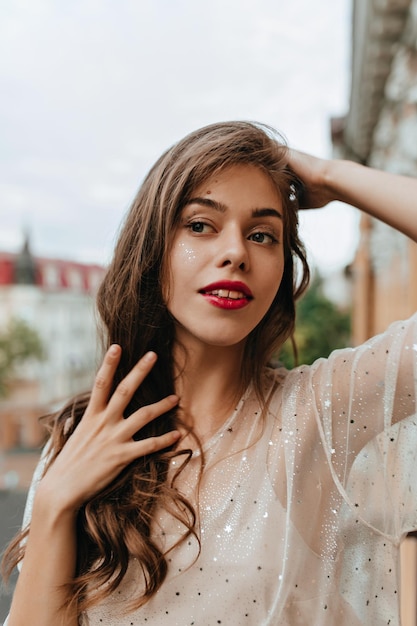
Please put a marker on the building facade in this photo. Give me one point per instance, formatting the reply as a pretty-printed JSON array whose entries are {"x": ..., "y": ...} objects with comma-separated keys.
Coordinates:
[
  {"x": 56, "y": 299},
  {"x": 380, "y": 130}
]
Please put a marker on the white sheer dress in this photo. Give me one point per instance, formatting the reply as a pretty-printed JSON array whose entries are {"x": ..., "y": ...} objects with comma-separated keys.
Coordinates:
[{"x": 301, "y": 514}]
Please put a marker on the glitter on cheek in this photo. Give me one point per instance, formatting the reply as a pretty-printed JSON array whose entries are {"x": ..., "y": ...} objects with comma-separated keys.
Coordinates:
[{"x": 186, "y": 253}]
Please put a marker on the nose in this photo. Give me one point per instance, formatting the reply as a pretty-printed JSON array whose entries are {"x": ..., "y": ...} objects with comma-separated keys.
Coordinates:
[{"x": 233, "y": 250}]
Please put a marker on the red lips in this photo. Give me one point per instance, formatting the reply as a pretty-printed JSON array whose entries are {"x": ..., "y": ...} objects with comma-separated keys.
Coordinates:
[{"x": 227, "y": 294}]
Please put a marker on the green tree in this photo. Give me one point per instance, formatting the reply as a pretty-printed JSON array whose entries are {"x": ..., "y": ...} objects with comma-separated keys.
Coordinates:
[
  {"x": 320, "y": 328},
  {"x": 18, "y": 343}
]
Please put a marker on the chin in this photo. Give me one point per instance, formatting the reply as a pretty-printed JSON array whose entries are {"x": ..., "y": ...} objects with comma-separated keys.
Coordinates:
[
  {"x": 211, "y": 340},
  {"x": 221, "y": 335},
  {"x": 222, "y": 341}
]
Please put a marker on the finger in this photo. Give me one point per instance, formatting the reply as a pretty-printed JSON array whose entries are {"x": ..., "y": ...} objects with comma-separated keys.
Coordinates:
[
  {"x": 146, "y": 414},
  {"x": 127, "y": 387},
  {"x": 104, "y": 379},
  {"x": 144, "y": 447}
]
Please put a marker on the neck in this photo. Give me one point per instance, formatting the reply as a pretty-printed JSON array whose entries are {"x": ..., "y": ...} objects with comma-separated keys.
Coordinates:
[{"x": 209, "y": 384}]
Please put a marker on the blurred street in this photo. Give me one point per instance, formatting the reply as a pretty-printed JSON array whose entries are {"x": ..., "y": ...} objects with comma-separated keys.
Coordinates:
[
  {"x": 15, "y": 471},
  {"x": 11, "y": 513}
]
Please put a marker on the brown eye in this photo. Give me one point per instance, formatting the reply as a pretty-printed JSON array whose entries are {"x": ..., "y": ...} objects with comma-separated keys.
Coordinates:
[
  {"x": 197, "y": 227},
  {"x": 261, "y": 237}
]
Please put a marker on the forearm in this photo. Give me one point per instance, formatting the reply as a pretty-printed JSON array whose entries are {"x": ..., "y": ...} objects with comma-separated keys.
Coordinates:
[
  {"x": 390, "y": 198},
  {"x": 49, "y": 564}
]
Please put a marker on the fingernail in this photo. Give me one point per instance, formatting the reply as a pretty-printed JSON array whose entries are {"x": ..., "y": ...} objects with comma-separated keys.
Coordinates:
[
  {"x": 173, "y": 398},
  {"x": 114, "y": 349},
  {"x": 149, "y": 357}
]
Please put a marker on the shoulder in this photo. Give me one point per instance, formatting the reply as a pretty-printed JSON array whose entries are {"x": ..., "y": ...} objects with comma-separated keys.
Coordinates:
[
  {"x": 285, "y": 388},
  {"x": 277, "y": 377},
  {"x": 45, "y": 456}
]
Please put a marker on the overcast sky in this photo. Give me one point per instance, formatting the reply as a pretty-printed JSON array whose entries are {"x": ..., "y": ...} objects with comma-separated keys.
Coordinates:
[{"x": 92, "y": 91}]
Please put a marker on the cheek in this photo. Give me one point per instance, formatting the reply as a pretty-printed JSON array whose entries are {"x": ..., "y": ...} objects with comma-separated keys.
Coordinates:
[
  {"x": 182, "y": 262},
  {"x": 274, "y": 281},
  {"x": 274, "y": 270},
  {"x": 183, "y": 254}
]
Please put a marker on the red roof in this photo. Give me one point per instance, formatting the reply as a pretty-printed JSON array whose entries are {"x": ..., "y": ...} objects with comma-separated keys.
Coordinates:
[
  {"x": 55, "y": 274},
  {"x": 6, "y": 268}
]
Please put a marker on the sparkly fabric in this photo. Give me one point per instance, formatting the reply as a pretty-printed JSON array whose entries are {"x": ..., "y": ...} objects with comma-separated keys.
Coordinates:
[{"x": 301, "y": 513}]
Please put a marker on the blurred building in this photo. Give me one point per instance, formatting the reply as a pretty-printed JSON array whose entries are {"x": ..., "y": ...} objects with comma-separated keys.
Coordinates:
[
  {"x": 380, "y": 130},
  {"x": 56, "y": 299}
]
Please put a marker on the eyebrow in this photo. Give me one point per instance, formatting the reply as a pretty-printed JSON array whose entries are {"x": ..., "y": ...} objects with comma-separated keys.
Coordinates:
[{"x": 222, "y": 208}]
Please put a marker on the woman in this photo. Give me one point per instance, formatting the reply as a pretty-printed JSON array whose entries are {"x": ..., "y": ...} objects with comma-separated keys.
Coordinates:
[{"x": 232, "y": 493}]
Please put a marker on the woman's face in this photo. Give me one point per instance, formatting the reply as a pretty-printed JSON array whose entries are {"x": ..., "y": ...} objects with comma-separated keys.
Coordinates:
[{"x": 227, "y": 258}]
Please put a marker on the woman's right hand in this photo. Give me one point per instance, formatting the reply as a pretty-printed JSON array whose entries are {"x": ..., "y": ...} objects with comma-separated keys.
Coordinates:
[
  {"x": 102, "y": 444},
  {"x": 312, "y": 171},
  {"x": 388, "y": 197}
]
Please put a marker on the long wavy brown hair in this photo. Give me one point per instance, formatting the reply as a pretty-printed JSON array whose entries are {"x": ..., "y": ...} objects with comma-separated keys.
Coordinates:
[{"x": 115, "y": 525}]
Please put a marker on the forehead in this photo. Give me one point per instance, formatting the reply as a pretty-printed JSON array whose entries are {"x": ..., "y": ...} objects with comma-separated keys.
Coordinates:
[{"x": 240, "y": 182}]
